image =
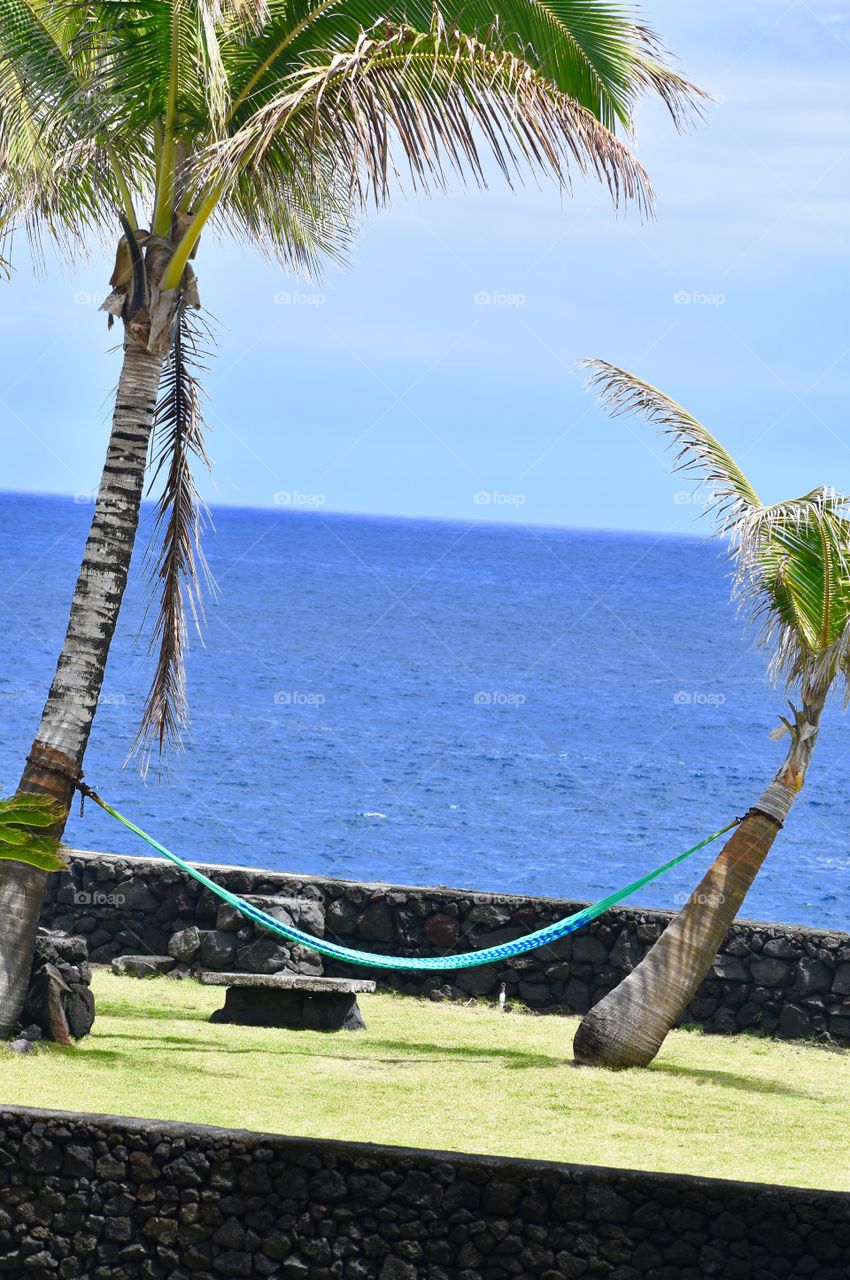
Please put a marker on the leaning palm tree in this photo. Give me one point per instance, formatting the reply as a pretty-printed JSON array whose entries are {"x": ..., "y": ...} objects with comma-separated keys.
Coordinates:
[
  {"x": 792, "y": 578},
  {"x": 277, "y": 122}
]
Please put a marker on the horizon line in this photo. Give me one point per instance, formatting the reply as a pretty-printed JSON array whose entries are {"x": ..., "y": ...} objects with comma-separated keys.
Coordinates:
[{"x": 284, "y": 509}]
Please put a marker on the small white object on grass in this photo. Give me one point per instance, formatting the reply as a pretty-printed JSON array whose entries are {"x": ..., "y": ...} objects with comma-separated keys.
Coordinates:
[{"x": 503, "y": 995}]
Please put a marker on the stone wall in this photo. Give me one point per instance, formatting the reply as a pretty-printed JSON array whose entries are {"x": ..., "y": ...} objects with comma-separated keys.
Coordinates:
[
  {"x": 780, "y": 979},
  {"x": 107, "y": 1198}
]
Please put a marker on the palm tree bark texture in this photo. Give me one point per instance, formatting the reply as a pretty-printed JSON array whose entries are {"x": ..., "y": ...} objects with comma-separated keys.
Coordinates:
[{"x": 56, "y": 758}]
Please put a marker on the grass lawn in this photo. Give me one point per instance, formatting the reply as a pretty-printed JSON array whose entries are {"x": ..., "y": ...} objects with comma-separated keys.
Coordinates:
[{"x": 457, "y": 1077}]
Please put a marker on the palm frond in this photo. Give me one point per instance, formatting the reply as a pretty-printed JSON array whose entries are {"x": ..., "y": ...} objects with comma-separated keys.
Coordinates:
[
  {"x": 57, "y": 179},
  {"x": 26, "y": 823},
  {"x": 622, "y": 394},
  {"x": 296, "y": 210},
  {"x": 793, "y": 577},
  {"x": 429, "y": 97},
  {"x": 599, "y": 53},
  {"x": 178, "y": 572},
  {"x": 791, "y": 559}
]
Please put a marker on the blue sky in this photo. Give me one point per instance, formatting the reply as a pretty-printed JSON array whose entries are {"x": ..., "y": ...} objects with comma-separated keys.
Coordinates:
[{"x": 389, "y": 388}]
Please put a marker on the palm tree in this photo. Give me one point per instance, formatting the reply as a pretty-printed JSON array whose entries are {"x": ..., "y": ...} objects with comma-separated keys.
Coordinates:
[
  {"x": 276, "y": 122},
  {"x": 792, "y": 577}
]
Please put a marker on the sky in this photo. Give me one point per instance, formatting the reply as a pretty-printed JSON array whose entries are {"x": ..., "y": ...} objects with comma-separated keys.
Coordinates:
[{"x": 436, "y": 375}]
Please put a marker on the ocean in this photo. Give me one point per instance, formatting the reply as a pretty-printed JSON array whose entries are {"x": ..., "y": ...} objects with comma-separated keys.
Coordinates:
[{"x": 512, "y": 709}]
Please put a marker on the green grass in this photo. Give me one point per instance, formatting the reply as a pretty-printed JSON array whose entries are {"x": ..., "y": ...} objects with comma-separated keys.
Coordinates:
[{"x": 458, "y": 1077}]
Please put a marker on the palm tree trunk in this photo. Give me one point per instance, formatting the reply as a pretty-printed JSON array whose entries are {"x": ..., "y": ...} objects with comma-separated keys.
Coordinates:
[
  {"x": 56, "y": 758},
  {"x": 629, "y": 1025}
]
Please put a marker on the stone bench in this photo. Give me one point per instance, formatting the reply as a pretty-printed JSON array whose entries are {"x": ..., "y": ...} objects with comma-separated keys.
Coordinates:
[{"x": 292, "y": 1000}]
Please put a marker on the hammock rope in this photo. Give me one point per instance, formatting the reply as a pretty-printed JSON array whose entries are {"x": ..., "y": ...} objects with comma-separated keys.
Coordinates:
[{"x": 374, "y": 960}]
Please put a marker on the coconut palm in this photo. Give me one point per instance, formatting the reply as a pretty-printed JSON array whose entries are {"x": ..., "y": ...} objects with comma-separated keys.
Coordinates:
[
  {"x": 277, "y": 122},
  {"x": 792, "y": 577}
]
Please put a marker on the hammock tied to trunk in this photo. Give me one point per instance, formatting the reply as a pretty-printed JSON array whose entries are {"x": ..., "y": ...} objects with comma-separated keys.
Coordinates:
[{"x": 465, "y": 960}]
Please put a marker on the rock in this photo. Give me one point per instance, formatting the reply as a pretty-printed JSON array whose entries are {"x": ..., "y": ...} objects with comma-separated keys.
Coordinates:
[
  {"x": 301, "y": 913},
  {"x": 495, "y": 937},
  {"x": 841, "y": 980},
  {"x": 501, "y": 1198},
  {"x": 45, "y": 1003},
  {"x": 649, "y": 930},
  {"x": 590, "y": 950},
  {"x": 730, "y": 968},
  {"x": 311, "y": 916},
  {"x": 839, "y": 1026},
  {"x": 442, "y": 931},
  {"x": 627, "y": 951},
  {"x": 783, "y": 948},
  {"x": 723, "y": 1023},
  {"x": 52, "y": 948},
  {"x": 185, "y": 945},
  {"x": 20, "y": 1046},
  {"x": 772, "y": 973},
  {"x": 395, "y": 1269},
  {"x": 142, "y": 966},
  {"x": 32, "y": 1032},
  {"x": 794, "y": 1023},
  {"x": 40, "y": 1154},
  {"x": 377, "y": 924},
  {"x": 295, "y": 1009},
  {"x": 265, "y": 955},
  {"x": 134, "y": 895},
  {"x": 341, "y": 917},
  {"x": 748, "y": 1015},
  {"x": 480, "y": 981},
  {"x": 535, "y": 994},
  {"x": 490, "y": 914},
  {"x": 218, "y": 949},
  {"x": 812, "y": 976},
  {"x": 577, "y": 996},
  {"x": 79, "y": 1011}
]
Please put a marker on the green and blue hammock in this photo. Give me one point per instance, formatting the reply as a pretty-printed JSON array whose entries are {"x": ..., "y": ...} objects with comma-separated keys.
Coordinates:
[{"x": 371, "y": 959}]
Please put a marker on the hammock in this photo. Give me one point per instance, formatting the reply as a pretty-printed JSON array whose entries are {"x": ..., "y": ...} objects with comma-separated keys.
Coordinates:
[{"x": 466, "y": 960}]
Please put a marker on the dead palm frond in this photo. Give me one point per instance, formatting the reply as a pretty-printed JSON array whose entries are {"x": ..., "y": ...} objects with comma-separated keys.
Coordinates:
[{"x": 178, "y": 572}]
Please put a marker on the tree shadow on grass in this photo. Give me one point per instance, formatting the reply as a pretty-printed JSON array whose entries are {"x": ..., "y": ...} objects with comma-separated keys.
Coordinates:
[
  {"x": 399, "y": 1053},
  {"x": 729, "y": 1080},
  {"x": 129, "y": 1012},
  {"x": 518, "y": 1059},
  {"x": 395, "y": 1052}
]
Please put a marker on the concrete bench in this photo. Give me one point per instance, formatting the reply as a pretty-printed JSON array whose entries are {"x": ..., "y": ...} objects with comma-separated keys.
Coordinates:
[{"x": 292, "y": 1000}]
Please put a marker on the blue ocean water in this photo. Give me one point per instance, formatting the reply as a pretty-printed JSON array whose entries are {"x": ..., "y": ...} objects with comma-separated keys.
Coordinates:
[{"x": 501, "y": 708}]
